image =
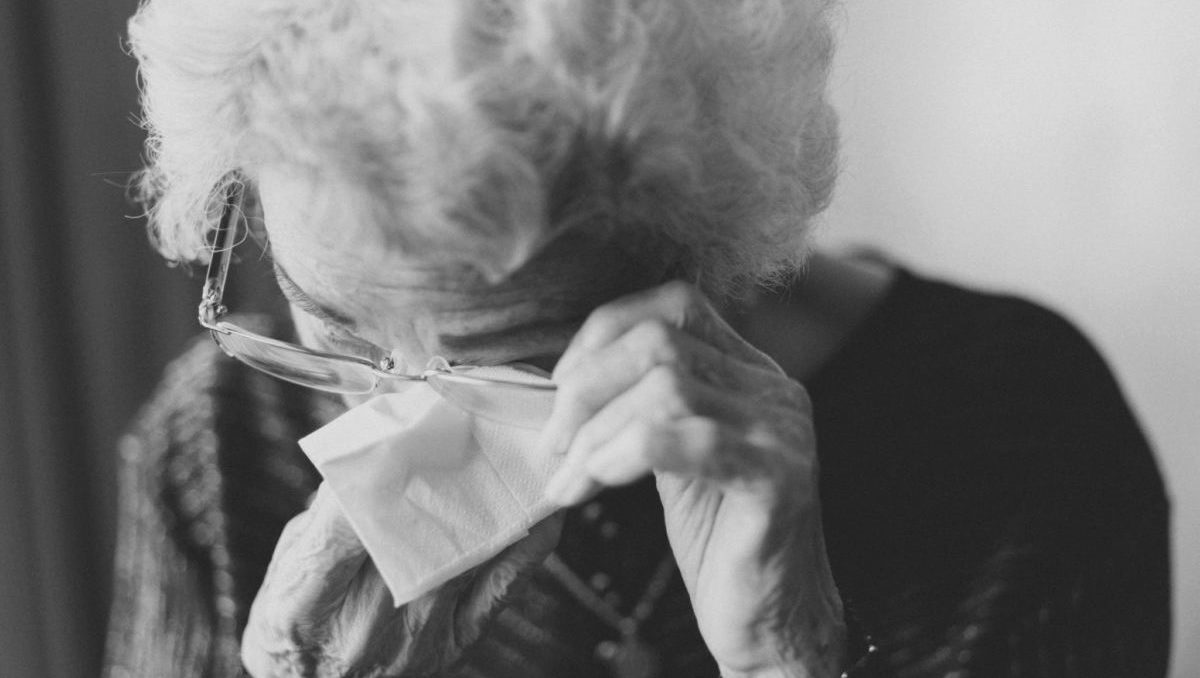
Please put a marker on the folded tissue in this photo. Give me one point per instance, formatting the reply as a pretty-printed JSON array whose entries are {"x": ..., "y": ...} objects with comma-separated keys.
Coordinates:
[{"x": 431, "y": 488}]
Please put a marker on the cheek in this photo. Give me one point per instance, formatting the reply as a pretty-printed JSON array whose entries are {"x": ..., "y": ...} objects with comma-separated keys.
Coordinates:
[{"x": 308, "y": 330}]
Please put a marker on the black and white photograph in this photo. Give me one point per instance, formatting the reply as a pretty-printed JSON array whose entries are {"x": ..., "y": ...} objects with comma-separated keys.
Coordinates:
[{"x": 599, "y": 339}]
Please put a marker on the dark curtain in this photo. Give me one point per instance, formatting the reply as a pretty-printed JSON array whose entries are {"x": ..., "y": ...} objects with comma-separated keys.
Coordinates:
[{"x": 89, "y": 315}]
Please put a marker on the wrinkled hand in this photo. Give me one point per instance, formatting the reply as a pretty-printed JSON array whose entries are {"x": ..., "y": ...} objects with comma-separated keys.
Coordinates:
[
  {"x": 658, "y": 382},
  {"x": 323, "y": 610}
]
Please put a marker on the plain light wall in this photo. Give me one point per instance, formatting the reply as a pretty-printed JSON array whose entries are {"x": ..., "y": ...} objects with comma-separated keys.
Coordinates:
[{"x": 1050, "y": 149}]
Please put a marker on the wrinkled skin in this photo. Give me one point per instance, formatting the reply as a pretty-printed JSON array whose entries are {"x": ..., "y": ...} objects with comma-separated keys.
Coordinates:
[
  {"x": 323, "y": 609},
  {"x": 655, "y": 383}
]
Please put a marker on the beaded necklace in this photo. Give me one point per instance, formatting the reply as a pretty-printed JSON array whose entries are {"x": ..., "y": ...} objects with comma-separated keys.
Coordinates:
[{"x": 630, "y": 657}]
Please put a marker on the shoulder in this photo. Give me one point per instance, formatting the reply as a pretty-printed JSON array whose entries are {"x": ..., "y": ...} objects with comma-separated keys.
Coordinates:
[
  {"x": 217, "y": 439},
  {"x": 1009, "y": 353},
  {"x": 210, "y": 472},
  {"x": 962, "y": 345},
  {"x": 980, "y": 463},
  {"x": 958, "y": 419},
  {"x": 204, "y": 393},
  {"x": 947, "y": 386}
]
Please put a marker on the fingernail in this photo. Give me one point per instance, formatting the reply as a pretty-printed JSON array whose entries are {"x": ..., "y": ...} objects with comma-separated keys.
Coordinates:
[
  {"x": 558, "y": 484},
  {"x": 578, "y": 490},
  {"x": 568, "y": 486}
]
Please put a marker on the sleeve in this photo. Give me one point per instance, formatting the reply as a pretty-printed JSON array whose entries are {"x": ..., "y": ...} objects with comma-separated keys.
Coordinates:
[
  {"x": 210, "y": 474},
  {"x": 1073, "y": 577},
  {"x": 1018, "y": 526},
  {"x": 170, "y": 613}
]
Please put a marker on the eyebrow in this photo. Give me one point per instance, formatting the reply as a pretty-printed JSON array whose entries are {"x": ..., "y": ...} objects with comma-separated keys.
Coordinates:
[{"x": 306, "y": 303}]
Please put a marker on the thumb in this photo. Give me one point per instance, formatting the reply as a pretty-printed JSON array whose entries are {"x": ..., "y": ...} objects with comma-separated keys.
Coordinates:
[{"x": 494, "y": 580}]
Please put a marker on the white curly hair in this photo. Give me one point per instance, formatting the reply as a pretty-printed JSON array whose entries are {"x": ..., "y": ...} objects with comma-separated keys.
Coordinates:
[{"x": 473, "y": 131}]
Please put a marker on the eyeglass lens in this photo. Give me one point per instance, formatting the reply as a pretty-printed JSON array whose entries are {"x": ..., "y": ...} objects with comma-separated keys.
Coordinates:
[
  {"x": 297, "y": 367},
  {"x": 499, "y": 401}
]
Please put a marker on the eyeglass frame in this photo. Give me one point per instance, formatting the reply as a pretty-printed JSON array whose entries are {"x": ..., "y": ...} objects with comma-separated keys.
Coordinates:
[{"x": 212, "y": 311}]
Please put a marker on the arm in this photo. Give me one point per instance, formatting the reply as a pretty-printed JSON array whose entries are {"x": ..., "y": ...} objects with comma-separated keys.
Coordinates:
[
  {"x": 209, "y": 475},
  {"x": 167, "y": 616},
  {"x": 1087, "y": 557},
  {"x": 658, "y": 383},
  {"x": 1030, "y": 612},
  {"x": 1043, "y": 544},
  {"x": 1111, "y": 617}
]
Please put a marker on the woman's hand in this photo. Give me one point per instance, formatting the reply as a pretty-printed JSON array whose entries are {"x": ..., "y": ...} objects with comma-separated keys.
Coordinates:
[
  {"x": 658, "y": 382},
  {"x": 323, "y": 610}
]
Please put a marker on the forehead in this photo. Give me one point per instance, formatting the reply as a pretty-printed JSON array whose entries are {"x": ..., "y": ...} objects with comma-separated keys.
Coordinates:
[
  {"x": 345, "y": 264},
  {"x": 310, "y": 221}
]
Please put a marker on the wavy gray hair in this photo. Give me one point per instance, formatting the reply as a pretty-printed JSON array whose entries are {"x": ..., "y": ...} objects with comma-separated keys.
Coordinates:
[{"x": 473, "y": 131}]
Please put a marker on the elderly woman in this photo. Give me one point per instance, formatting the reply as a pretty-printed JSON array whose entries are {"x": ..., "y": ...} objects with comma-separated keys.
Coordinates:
[{"x": 772, "y": 462}]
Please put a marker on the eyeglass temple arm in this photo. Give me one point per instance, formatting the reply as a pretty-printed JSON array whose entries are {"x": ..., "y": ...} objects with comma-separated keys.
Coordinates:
[{"x": 211, "y": 308}]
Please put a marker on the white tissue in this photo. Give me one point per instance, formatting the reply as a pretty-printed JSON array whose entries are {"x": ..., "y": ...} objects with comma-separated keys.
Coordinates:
[{"x": 431, "y": 490}]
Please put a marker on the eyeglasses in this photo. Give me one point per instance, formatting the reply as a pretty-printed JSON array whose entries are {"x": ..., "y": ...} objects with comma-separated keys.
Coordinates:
[{"x": 512, "y": 401}]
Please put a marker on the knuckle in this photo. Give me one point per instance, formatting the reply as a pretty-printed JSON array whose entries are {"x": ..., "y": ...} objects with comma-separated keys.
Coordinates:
[
  {"x": 665, "y": 383},
  {"x": 572, "y": 396},
  {"x": 669, "y": 390},
  {"x": 711, "y": 433},
  {"x": 294, "y": 528},
  {"x": 698, "y": 448},
  {"x": 788, "y": 393},
  {"x": 657, "y": 341},
  {"x": 254, "y": 659},
  {"x": 680, "y": 294},
  {"x": 267, "y": 654},
  {"x": 665, "y": 379},
  {"x": 646, "y": 443},
  {"x": 601, "y": 323},
  {"x": 799, "y": 394},
  {"x": 706, "y": 437},
  {"x": 763, "y": 436},
  {"x": 586, "y": 438}
]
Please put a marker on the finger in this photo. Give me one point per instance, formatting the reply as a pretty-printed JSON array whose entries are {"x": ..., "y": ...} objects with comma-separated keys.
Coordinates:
[
  {"x": 315, "y": 560},
  {"x": 609, "y": 371},
  {"x": 650, "y": 343},
  {"x": 495, "y": 580},
  {"x": 665, "y": 394},
  {"x": 359, "y": 631},
  {"x": 661, "y": 395},
  {"x": 571, "y": 485},
  {"x": 697, "y": 447},
  {"x": 675, "y": 303}
]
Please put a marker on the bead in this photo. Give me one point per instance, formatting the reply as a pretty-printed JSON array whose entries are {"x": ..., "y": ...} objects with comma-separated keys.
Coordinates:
[
  {"x": 606, "y": 650},
  {"x": 872, "y": 650},
  {"x": 592, "y": 511},
  {"x": 630, "y": 658}
]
